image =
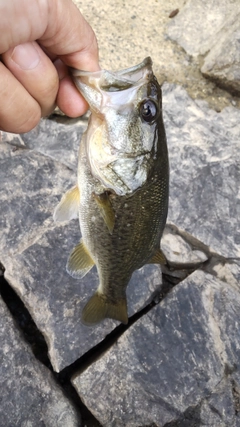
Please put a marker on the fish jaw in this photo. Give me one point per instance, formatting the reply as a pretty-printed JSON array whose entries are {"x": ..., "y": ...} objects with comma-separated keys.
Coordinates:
[
  {"x": 120, "y": 144},
  {"x": 93, "y": 85}
]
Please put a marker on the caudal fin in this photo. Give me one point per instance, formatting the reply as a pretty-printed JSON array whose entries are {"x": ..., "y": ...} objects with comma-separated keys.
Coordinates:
[{"x": 99, "y": 308}]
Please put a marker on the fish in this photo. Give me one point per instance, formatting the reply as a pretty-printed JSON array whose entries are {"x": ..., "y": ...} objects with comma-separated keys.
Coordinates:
[{"x": 121, "y": 196}]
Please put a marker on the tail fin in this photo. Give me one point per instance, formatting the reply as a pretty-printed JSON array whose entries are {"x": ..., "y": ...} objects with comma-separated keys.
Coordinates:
[{"x": 99, "y": 307}]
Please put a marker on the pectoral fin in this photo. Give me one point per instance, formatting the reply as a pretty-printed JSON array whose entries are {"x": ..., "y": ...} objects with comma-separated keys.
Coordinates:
[
  {"x": 106, "y": 209},
  {"x": 68, "y": 207},
  {"x": 158, "y": 258},
  {"x": 98, "y": 308},
  {"x": 79, "y": 262}
]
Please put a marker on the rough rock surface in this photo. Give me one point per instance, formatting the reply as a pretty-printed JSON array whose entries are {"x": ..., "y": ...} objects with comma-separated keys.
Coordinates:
[
  {"x": 29, "y": 395},
  {"x": 211, "y": 28},
  {"x": 222, "y": 64},
  {"x": 204, "y": 160},
  {"x": 203, "y": 167},
  {"x": 180, "y": 358},
  {"x": 178, "y": 365},
  {"x": 32, "y": 244},
  {"x": 203, "y": 151}
]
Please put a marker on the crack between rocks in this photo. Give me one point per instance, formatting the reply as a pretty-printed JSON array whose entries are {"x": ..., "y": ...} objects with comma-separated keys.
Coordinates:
[
  {"x": 95, "y": 353},
  {"x": 32, "y": 335},
  {"x": 35, "y": 339}
]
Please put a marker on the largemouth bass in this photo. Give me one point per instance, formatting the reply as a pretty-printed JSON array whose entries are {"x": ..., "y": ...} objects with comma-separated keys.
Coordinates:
[{"x": 121, "y": 196}]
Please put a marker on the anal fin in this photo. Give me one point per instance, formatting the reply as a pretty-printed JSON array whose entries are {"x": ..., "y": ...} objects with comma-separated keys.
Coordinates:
[
  {"x": 68, "y": 206},
  {"x": 158, "y": 258},
  {"x": 99, "y": 308},
  {"x": 79, "y": 262},
  {"x": 106, "y": 209}
]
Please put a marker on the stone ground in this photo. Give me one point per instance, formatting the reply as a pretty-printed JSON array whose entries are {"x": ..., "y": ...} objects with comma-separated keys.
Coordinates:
[{"x": 177, "y": 362}]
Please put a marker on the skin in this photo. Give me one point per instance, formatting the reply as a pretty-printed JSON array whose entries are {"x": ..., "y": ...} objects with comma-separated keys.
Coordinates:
[{"x": 34, "y": 55}]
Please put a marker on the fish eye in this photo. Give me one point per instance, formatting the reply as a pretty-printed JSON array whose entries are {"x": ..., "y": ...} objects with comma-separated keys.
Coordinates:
[{"x": 148, "y": 110}]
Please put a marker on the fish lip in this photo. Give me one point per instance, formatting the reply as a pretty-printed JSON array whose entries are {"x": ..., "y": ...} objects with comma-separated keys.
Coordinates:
[
  {"x": 147, "y": 62},
  {"x": 119, "y": 80}
]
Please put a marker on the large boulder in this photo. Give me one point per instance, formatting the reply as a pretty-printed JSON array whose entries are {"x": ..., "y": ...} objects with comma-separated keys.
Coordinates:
[
  {"x": 176, "y": 366},
  {"x": 211, "y": 28},
  {"x": 29, "y": 394},
  {"x": 35, "y": 170}
]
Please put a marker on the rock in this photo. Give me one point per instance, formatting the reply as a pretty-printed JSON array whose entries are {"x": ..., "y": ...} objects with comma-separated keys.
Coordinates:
[
  {"x": 56, "y": 140},
  {"x": 226, "y": 270},
  {"x": 222, "y": 64},
  {"x": 34, "y": 252},
  {"x": 178, "y": 362},
  {"x": 55, "y": 300},
  {"x": 31, "y": 186},
  {"x": 204, "y": 163},
  {"x": 183, "y": 252},
  {"x": 213, "y": 27},
  {"x": 181, "y": 359},
  {"x": 29, "y": 395},
  {"x": 203, "y": 156}
]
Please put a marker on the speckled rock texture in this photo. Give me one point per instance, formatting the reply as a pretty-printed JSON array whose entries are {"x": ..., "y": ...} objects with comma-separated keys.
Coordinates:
[
  {"x": 35, "y": 172},
  {"x": 204, "y": 160},
  {"x": 211, "y": 28},
  {"x": 29, "y": 395},
  {"x": 176, "y": 366}
]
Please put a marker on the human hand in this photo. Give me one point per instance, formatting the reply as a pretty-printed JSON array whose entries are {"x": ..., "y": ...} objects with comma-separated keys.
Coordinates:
[{"x": 39, "y": 39}]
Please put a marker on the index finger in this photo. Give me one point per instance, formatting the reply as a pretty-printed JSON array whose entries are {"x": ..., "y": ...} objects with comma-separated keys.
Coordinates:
[{"x": 57, "y": 25}]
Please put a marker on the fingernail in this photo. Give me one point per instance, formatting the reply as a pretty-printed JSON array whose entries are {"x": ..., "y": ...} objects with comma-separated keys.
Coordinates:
[{"x": 26, "y": 56}]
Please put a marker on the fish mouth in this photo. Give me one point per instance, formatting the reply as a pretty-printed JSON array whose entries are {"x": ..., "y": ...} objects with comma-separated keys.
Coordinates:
[
  {"x": 118, "y": 80},
  {"x": 93, "y": 85}
]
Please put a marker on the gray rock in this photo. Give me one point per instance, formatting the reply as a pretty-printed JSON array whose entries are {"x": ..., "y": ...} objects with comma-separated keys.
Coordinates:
[
  {"x": 180, "y": 359},
  {"x": 31, "y": 185},
  {"x": 222, "y": 64},
  {"x": 183, "y": 252},
  {"x": 203, "y": 154},
  {"x": 227, "y": 271},
  {"x": 56, "y": 140},
  {"x": 29, "y": 395},
  {"x": 204, "y": 163},
  {"x": 213, "y": 27},
  {"x": 34, "y": 252},
  {"x": 55, "y": 300}
]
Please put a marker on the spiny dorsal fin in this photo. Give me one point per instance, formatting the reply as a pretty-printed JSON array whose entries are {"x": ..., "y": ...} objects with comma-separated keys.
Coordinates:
[
  {"x": 67, "y": 208},
  {"x": 106, "y": 210},
  {"x": 158, "y": 258},
  {"x": 99, "y": 308},
  {"x": 79, "y": 262}
]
